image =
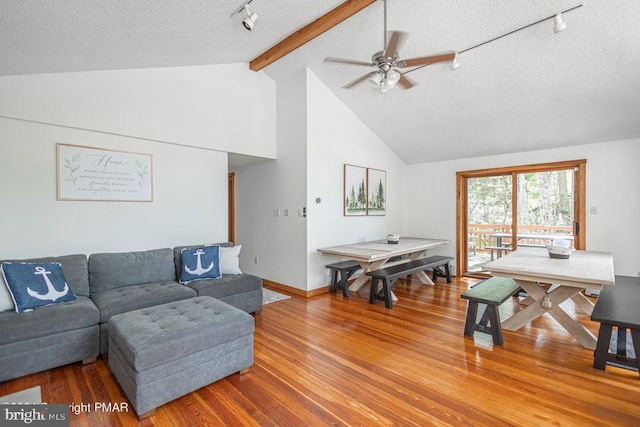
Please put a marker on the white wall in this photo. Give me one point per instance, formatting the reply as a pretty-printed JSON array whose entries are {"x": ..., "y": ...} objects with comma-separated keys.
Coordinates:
[
  {"x": 223, "y": 107},
  {"x": 337, "y": 136},
  {"x": 190, "y": 197},
  {"x": 279, "y": 242},
  {"x": 164, "y": 112},
  {"x": 613, "y": 186},
  {"x": 317, "y": 135}
]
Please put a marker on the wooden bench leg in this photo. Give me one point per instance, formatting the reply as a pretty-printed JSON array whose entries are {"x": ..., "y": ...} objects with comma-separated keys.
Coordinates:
[
  {"x": 470, "y": 322},
  {"x": 344, "y": 276},
  {"x": 635, "y": 336},
  {"x": 334, "y": 281},
  {"x": 447, "y": 271},
  {"x": 374, "y": 290},
  {"x": 386, "y": 292},
  {"x": 496, "y": 328},
  {"x": 602, "y": 348},
  {"x": 89, "y": 361}
]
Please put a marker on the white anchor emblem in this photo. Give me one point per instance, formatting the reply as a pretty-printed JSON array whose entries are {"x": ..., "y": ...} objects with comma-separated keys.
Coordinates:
[
  {"x": 198, "y": 271},
  {"x": 52, "y": 294}
]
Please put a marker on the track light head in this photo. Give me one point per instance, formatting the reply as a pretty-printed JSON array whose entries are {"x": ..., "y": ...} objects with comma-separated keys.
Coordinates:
[
  {"x": 559, "y": 24},
  {"x": 250, "y": 20}
]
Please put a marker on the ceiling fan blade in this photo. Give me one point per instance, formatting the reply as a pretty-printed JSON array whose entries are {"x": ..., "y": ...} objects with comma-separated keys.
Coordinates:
[
  {"x": 405, "y": 82},
  {"x": 359, "y": 80},
  {"x": 427, "y": 60},
  {"x": 396, "y": 41},
  {"x": 347, "y": 61}
]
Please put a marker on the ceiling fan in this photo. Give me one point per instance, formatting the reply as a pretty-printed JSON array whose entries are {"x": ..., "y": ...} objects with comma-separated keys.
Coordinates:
[{"x": 387, "y": 63}]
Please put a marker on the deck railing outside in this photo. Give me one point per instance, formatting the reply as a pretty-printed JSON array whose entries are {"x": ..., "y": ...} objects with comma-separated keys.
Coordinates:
[{"x": 480, "y": 234}]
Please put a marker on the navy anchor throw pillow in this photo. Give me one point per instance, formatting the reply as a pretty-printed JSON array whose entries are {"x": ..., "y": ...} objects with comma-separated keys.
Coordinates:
[
  {"x": 35, "y": 285},
  {"x": 200, "y": 263}
]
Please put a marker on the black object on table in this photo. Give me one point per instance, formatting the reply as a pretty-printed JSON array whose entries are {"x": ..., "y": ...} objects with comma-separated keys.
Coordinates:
[{"x": 618, "y": 306}]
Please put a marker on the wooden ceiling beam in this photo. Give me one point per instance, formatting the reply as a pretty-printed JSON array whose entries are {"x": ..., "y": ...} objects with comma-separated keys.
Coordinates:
[{"x": 309, "y": 32}]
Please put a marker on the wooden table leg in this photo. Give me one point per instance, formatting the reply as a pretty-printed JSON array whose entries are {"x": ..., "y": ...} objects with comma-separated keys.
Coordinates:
[
  {"x": 536, "y": 308},
  {"x": 553, "y": 300},
  {"x": 424, "y": 278},
  {"x": 583, "y": 302},
  {"x": 421, "y": 275},
  {"x": 575, "y": 328},
  {"x": 360, "y": 281}
]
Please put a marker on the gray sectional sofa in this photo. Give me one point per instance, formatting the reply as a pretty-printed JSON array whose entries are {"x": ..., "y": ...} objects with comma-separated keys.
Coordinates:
[
  {"x": 55, "y": 335},
  {"x": 106, "y": 284}
]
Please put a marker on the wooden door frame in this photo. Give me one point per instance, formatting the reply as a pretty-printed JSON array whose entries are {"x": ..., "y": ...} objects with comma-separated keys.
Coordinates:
[
  {"x": 579, "y": 198},
  {"x": 232, "y": 207}
]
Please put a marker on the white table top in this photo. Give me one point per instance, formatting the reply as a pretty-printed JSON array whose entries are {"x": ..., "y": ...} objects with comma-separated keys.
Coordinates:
[
  {"x": 379, "y": 249},
  {"x": 584, "y": 269}
]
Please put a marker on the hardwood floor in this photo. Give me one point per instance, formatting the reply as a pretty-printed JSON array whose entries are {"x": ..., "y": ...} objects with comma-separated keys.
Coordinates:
[{"x": 329, "y": 360}]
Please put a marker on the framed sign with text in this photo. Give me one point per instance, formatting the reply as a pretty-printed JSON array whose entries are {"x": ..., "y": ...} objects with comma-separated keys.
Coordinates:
[{"x": 88, "y": 173}]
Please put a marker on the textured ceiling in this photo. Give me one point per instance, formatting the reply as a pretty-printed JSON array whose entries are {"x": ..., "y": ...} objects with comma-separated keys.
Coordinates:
[{"x": 531, "y": 90}]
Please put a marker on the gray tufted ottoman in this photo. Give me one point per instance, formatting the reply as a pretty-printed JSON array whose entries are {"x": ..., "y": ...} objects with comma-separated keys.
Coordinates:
[{"x": 160, "y": 353}]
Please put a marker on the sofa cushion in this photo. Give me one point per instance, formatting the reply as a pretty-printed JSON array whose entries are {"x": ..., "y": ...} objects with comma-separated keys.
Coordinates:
[
  {"x": 127, "y": 298},
  {"x": 177, "y": 253},
  {"x": 6, "y": 301},
  {"x": 228, "y": 284},
  {"x": 200, "y": 263},
  {"x": 115, "y": 270},
  {"x": 50, "y": 320},
  {"x": 74, "y": 268},
  {"x": 35, "y": 285},
  {"x": 230, "y": 260}
]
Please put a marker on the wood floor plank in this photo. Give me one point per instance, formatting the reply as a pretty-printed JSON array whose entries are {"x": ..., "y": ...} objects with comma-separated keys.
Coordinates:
[{"x": 330, "y": 360}]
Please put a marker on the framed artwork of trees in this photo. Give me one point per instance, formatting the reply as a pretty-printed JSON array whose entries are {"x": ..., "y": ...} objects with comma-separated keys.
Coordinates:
[
  {"x": 376, "y": 192},
  {"x": 355, "y": 190},
  {"x": 365, "y": 191}
]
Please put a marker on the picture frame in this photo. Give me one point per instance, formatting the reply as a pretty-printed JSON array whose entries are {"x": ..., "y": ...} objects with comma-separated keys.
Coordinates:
[
  {"x": 376, "y": 192},
  {"x": 355, "y": 190},
  {"x": 97, "y": 174}
]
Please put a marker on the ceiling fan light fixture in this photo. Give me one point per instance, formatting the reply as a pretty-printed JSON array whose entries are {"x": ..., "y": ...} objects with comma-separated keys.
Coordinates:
[
  {"x": 392, "y": 78},
  {"x": 376, "y": 80},
  {"x": 558, "y": 23}
]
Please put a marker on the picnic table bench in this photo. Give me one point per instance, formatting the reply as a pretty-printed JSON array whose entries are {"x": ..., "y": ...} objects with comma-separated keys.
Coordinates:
[
  {"x": 492, "y": 292},
  {"x": 390, "y": 274},
  {"x": 618, "y": 306}
]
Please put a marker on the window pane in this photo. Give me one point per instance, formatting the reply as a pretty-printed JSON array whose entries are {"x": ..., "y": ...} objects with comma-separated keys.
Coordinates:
[
  {"x": 545, "y": 206},
  {"x": 489, "y": 216}
]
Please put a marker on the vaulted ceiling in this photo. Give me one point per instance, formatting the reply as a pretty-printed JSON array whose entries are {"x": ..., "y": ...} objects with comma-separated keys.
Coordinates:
[{"x": 530, "y": 90}]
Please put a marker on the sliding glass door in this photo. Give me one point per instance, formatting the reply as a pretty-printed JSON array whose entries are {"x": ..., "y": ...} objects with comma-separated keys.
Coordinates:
[{"x": 502, "y": 209}]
